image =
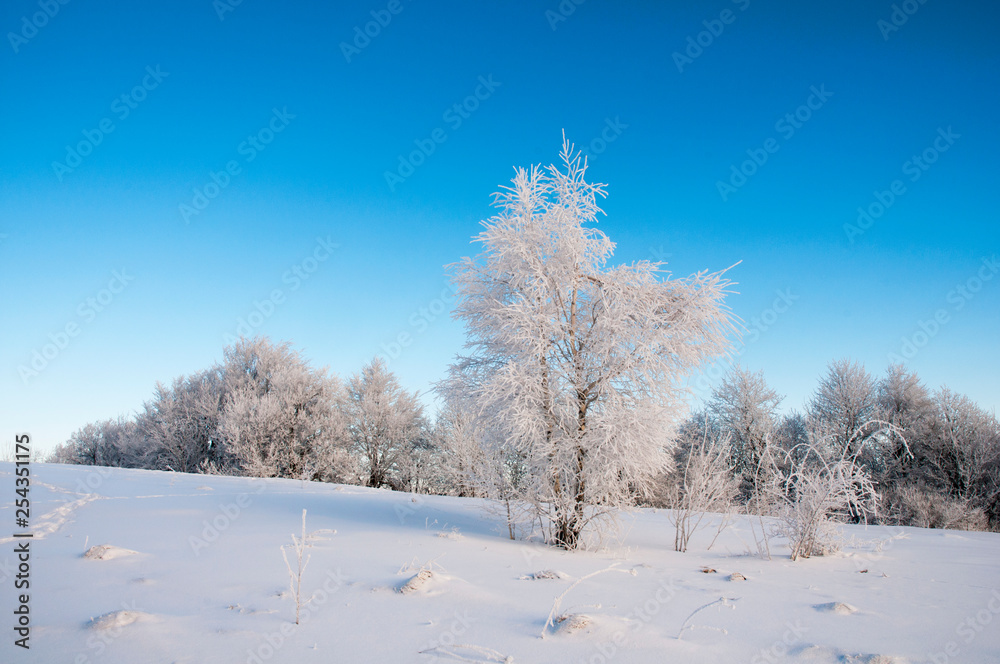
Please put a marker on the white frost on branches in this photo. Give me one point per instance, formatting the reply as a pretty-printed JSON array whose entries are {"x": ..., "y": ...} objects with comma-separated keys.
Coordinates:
[{"x": 577, "y": 365}]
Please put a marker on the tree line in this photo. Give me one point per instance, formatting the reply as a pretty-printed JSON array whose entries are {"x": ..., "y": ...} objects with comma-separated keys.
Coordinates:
[
  {"x": 265, "y": 412},
  {"x": 934, "y": 456}
]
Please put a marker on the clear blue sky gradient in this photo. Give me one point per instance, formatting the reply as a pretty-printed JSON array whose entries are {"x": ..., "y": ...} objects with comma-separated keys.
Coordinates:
[{"x": 608, "y": 67}]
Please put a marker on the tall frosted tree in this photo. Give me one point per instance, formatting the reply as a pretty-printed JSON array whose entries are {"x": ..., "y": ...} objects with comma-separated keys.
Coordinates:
[
  {"x": 907, "y": 405},
  {"x": 746, "y": 408},
  {"x": 386, "y": 426},
  {"x": 576, "y": 364},
  {"x": 962, "y": 450},
  {"x": 462, "y": 452},
  {"x": 845, "y": 415}
]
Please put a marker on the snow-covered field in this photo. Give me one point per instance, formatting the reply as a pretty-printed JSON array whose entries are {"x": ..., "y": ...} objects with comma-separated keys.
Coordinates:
[{"x": 195, "y": 567}]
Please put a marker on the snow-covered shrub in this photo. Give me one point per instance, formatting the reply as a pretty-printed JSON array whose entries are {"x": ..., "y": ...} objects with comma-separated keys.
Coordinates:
[
  {"x": 113, "y": 443},
  {"x": 703, "y": 483},
  {"x": 920, "y": 506},
  {"x": 340, "y": 467},
  {"x": 812, "y": 492},
  {"x": 476, "y": 461}
]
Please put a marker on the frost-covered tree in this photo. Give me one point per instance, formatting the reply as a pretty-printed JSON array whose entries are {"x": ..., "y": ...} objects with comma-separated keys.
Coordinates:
[
  {"x": 906, "y": 405},
  {"x": 578, "y": 365},
  {"x": 745, "y": 408},
  {"x": 792, "y": 431},
  {"x": 386, "y": 425},
  {"x": 179, "y": 425},
  {"x": 846, "y": 421},
  {"x": 844, "y": 412},
  {"x": 280, "y": 417},
  {"x": 962, "y": 448},
  {"x": 462, "y": 452},
  {"x": 111, "y": 442},
  {"x": 417, "y": 469}
]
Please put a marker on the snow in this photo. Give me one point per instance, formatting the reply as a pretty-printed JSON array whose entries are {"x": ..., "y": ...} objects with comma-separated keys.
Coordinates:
[{"x": 204, "y": 581}]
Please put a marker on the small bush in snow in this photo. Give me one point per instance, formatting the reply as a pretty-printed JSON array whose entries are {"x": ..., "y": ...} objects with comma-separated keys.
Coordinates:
[
  {"x": 812, "y": 492},
  {"x": 925, "y": 508},
  {"x": 705, "y": 484}
]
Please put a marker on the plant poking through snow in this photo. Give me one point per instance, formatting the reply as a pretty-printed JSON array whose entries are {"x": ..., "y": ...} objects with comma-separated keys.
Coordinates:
[
  {"x": 424, "y": 575},
  {"x": 723, "y": 601},
  {"x": 557, "y": 602},
  {"x": 475, "y": 653},
  {"x": 295, "y": 574}
]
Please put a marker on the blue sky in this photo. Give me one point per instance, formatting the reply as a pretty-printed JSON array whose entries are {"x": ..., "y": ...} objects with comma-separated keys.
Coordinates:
[{"x": 165, "y": 97}]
